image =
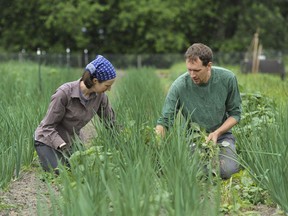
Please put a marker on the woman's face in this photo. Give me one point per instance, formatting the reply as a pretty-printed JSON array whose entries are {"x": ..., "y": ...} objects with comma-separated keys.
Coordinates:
[{"x": 103, "y": 86}]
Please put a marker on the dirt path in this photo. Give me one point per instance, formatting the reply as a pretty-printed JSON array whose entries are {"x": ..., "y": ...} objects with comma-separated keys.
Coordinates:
[{"x": 23, "y": 194}]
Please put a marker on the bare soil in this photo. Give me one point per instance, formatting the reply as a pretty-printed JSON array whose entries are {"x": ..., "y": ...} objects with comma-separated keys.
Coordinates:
[{"x": 23, "y": 194}]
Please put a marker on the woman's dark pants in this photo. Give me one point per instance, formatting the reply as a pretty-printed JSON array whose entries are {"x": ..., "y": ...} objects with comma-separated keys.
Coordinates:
[{"x": 49, "y": 157}]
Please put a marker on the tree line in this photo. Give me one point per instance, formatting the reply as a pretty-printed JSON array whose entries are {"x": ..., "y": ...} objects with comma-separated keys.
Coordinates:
[{"x": 143, "y": 26}]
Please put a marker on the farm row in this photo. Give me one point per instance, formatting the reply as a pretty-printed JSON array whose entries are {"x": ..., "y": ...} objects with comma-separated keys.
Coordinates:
[{"x": 130, "y": 171}]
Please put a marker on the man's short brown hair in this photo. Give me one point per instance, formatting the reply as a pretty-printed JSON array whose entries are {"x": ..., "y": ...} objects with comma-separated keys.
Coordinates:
[{"x": 201, "y": 51}]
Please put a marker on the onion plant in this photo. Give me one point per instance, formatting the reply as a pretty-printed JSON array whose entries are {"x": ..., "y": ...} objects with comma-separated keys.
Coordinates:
[
  {"x": 21, "y": 109},
  {"x": 130, "y": 170},
  {"x": 265, "y": 155}
]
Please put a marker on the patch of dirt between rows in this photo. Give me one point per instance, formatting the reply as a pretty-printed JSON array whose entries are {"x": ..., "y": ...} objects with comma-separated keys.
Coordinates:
[{"x": 23, "y": 194}]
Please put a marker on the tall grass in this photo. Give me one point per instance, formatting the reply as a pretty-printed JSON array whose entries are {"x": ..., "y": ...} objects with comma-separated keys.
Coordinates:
[
  {"x": 269, "y": 85},
  {"x": 21, "y": 109},
  {"x": 129, "y": 171},
  {"x": 265, "y": 154},
  {"x": 140, "y": 94}
]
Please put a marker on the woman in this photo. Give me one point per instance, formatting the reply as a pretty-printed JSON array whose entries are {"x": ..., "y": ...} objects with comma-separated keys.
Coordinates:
[{"x": 72, "y": 106}]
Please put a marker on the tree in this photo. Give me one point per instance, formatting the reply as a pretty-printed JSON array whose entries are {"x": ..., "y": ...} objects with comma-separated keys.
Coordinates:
[{"x": 143, "y": 26}]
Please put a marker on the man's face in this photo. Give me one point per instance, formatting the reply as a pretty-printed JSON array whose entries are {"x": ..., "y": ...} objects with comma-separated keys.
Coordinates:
[{"x": 199, "y": 74}]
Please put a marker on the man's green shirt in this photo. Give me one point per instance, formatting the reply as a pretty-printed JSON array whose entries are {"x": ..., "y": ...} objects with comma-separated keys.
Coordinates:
[{"x": 208, "y": 105}]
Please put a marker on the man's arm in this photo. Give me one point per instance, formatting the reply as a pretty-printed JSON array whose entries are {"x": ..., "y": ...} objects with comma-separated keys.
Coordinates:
[
  {"x": 233, "y": 110},
  {"x": 169, "y": 110}
]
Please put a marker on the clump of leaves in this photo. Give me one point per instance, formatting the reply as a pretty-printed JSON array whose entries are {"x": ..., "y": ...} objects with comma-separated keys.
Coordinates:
[
  {"x": 242, "y": 192},
  {"x": 91, "y": 159},
  {"x": 257, "y": 112},
  {"x": 208, "y": 151}
]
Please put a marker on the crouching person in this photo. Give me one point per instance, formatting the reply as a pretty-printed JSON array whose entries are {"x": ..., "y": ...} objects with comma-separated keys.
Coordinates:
[
  {"x": 208, "y": 96},
  {"x": 71, "y": 107}
]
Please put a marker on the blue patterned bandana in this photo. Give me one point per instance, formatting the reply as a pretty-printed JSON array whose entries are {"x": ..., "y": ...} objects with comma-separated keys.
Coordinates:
[{"x": 101, "y": 69}]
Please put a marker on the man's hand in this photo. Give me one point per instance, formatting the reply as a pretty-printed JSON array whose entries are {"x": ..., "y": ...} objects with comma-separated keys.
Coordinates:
[
  {"x": 226, "y": 126},
  {"x": 160, "y": 130},
  {"x": 212, "y": 136},
  {"x": 160, "y": 133}
]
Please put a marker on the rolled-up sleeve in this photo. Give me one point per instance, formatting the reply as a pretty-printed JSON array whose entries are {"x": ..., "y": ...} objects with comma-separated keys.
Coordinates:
[
  {"x": 233, "y": 102},
  {"x": 170, "y": 108}
]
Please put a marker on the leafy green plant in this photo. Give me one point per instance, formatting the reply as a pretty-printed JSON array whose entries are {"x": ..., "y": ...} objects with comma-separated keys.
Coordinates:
[
  {"x": 90, "y": 159},
  {"x": 265, "y": 156},
  {"x": 258, "y": 112}
]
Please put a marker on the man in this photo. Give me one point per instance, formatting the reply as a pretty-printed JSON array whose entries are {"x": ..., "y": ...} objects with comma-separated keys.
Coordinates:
[{"x": 208, "y": 96}]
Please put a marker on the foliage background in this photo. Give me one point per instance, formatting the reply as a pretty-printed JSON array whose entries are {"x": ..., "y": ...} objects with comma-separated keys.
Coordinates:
[{"x": 142, "y": 26}]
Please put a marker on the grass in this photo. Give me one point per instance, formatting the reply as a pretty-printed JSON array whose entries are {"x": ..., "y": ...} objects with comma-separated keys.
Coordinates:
[
  {"x": 22, "y": 107},
  {"x": 133, "y": 172},
  {"x": 267, "y": 157}
]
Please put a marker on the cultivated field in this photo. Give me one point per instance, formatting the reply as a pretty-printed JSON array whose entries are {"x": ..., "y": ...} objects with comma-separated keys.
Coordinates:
[{"x": 130, "y": 171}]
